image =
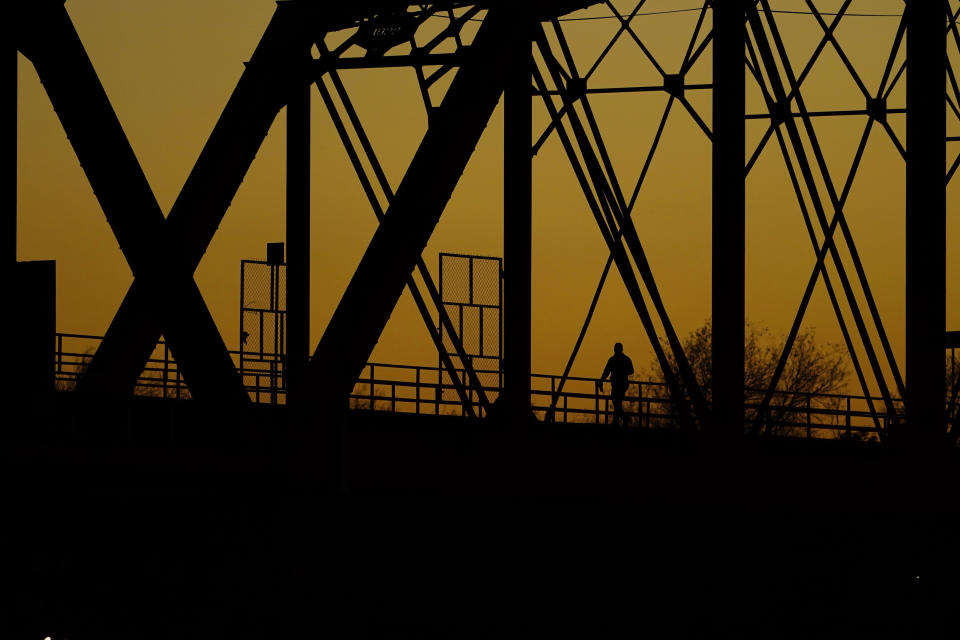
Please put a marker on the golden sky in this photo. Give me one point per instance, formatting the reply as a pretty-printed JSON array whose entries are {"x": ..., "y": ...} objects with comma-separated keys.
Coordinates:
[{"x": 169, "y": 68}]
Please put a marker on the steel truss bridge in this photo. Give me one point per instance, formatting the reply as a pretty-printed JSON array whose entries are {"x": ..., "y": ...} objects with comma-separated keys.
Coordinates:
[{"x": 522, "y": 52}]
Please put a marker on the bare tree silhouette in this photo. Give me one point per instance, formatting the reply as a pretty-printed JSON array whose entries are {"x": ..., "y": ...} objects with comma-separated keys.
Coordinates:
[{"x": 813, "y": 369}]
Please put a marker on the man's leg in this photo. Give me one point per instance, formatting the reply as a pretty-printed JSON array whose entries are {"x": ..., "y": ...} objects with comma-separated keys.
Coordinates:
[{"x": 618, "y": 395}]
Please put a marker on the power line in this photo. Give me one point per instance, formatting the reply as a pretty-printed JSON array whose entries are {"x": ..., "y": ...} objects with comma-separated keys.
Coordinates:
[
  {"x": 697, "y": 9},
  {"x": 620, "y": 16}
]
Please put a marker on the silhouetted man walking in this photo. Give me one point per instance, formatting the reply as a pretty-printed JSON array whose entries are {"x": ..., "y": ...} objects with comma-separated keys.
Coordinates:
[{"x": 619, "y": 367}]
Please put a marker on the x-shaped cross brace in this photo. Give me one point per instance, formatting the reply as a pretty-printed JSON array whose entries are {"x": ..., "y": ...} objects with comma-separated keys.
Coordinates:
[{"x": 162, "y": 253}]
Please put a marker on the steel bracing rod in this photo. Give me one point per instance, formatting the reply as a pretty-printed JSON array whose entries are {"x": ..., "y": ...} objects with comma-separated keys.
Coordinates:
[
  {"x": 650, "y": 88},
  {"x": 401, "y": 237},
  {"x": 611, "y": 176},
  {"x": 456, "y": 35},
  {"x": 432, "y": 290},
  {"x": 598, "y": 204},
  {"x": 956, "y": 91},
  {"x": 951, "y": 26},
  {"x": 621, "y": 215},
  {"x": 814, "y": 192},
  {"x": 754, "y": 69},
  {"x": 951, "y": 74},
  {"x": 542, "y": 140},
  {"x": 453, "y": 29},
  {"x": 839, "y": 49},
  {"x": 835, "y": 202},
  {"x": 625, "y": 25},
  {"x": 424, "y": 91},
  {"x": 688, "y": 58},
  {"x": 378, "y": 211},
  {"x": 685, "y": 66},
  {"x": 882, "y": 91},
  {"x": 820, "y": 250},
  {"x": 817, "y": 114},
  {"x": 692, "y": 60},
  {"x": 602, "y": 209},
  {"x": 603, "y": 275},
  {"x": 766, "y": 56},
  {"x": 952, "y": 106},
  {"x": 617, "y": 210},
  {"x": 616, "y": 37},
  {"x": 421, "y": 267},
  {"x": 47, "y": 36}
]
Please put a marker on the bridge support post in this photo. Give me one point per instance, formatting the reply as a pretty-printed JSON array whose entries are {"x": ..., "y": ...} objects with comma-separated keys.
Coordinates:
[
  {"x": 729, "y": 228},
  {"x": 10, "y": 244},
  {"x": 926, "y": 222},
  {"x": 298, "y": 237},
  {"x": 517, "y": 213}
]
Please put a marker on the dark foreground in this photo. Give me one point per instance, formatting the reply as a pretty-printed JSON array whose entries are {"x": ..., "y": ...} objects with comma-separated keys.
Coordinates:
[{"x": 159, "y": 520}]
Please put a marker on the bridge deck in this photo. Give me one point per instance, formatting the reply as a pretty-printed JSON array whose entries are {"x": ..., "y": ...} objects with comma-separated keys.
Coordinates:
[{"x": 214, "y": 526}]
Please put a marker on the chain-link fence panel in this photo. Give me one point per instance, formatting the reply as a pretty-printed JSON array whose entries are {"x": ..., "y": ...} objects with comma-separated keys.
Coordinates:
[
  {"x": 471, "y": 295},
  {"x": 263, "y": 315}
]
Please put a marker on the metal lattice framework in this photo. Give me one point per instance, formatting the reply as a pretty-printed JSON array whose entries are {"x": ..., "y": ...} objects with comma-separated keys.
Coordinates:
[{"x": 488, "y": 50}]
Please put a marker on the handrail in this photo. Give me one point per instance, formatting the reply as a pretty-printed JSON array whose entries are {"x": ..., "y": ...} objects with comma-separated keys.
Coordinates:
[{"x": 421, "y": 389}]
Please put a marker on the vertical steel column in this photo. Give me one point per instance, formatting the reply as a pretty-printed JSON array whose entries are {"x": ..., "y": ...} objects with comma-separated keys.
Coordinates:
[
  {"x": 298, "y": 236},
  {"x": 729, "y": 37},
  {"x": 517, "y": 218},
  {"x": 926, "y": 221},
  {"x": 10, "y": 258}
]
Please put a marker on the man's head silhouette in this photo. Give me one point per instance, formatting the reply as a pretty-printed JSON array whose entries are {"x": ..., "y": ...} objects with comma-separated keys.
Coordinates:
[{"x": 618, "y": 348}]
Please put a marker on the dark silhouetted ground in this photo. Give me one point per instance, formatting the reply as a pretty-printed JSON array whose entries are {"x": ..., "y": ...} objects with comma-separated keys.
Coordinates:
[{"x": 166, "y": 520}]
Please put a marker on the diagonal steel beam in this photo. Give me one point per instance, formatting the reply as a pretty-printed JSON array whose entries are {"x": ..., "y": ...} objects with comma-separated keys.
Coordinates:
[
  {"x": 602, "y": 205},
  {"x": 432, "y": 291},
  {"x": 621, "y": 223},
  {"x": 418, "y": 297},
  {"x": 155, "y": 305},
  {"x": 836, "y": 203},
  {"x": 767, "y": 57},
  {"x": 48, "y": 38},
  {"x": 413, "y": 214}
]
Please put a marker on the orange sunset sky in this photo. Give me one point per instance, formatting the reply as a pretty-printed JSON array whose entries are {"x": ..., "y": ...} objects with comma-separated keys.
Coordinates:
[{"x": 169, "y": 68}]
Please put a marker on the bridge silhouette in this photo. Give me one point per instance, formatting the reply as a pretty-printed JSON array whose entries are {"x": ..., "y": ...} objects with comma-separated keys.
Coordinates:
[{"x": 181, "y": 491}]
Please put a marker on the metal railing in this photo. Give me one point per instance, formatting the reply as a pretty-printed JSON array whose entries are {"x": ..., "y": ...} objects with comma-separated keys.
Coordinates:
[
  {"x": 427, "y": 390},
  {"x": 161, "y": 377},
  {"x": 421, "y": 390}
]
